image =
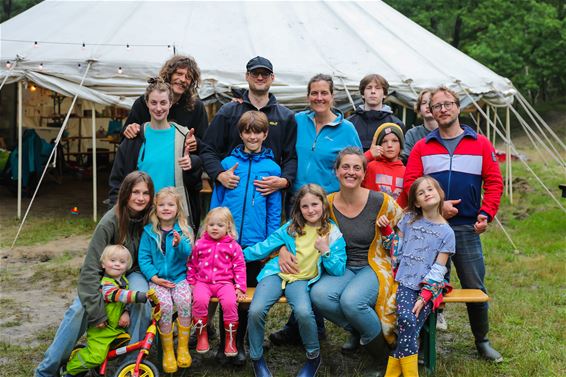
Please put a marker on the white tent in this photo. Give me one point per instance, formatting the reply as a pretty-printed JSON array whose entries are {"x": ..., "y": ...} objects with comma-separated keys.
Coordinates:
[{"x": 104, "y": 51}]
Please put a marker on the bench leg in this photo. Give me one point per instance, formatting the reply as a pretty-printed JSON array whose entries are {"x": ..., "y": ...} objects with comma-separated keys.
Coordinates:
[{"x": 430, "y": 343}]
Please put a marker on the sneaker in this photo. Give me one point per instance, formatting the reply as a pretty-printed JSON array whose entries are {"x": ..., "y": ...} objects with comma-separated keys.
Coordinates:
[{"x": 441, "y": 323}]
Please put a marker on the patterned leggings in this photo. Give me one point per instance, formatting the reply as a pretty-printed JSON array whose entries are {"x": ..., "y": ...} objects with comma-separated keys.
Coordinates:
[
  {"x": 181, "y": 296},
  {"x": 408, "y": 325}
]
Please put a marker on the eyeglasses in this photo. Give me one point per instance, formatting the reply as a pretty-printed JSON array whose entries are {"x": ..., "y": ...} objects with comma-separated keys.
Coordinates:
[
  {"x": 256, "y": 74},
  {"x": 438, "y": 106}
]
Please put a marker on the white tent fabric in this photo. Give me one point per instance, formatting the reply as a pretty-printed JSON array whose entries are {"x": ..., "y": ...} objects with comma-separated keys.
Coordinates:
[{"x": 345, "y": 39}]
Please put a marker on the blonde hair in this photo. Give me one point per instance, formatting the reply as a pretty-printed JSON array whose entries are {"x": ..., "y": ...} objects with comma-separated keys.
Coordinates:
[
  {"x": 111, "y": 250},
  {"x": 180, "y": 216},
  {"x": 298, "y": 221},
  {"x": 224, "y": 214},
  {"x": 412, "y": 200}
]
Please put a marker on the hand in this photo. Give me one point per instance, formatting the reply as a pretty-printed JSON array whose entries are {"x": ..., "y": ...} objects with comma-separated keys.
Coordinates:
[
  {"x": 132, "y": 130},
  {"x": 176, "y": 238},
  {"x": 288, "y": 262},
  {"x": 191, "y": 140},
  {"x": 382, "y": 221},
  {"x": 237, "y": 100},
  {"x": 268, "y": 185},
  {"x": 419, "y": 305},
  {"x": 481, "y": 225},
  {"x": 101, "y": 325},
  {"x": 322, "y": 244},
  {"x": 228, "y": 179},
  {"x": 162, "y": 282},
  {"x": 124, "y": 320},
  {"x": 376, "y": 151},
  {"x": 240, "y": 296},
  {"x": 448, "y": 209},
  {"x": 185, "y": 161}
]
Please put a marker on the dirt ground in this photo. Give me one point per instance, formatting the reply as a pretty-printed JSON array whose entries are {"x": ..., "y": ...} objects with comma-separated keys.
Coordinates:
[{"x": 40, "y": 280}]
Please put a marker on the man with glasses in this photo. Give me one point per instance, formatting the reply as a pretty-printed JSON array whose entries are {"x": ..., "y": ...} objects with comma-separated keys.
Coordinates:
[
  {"x": 221, "y": 138},
  {"x": 463, "y": 162}
]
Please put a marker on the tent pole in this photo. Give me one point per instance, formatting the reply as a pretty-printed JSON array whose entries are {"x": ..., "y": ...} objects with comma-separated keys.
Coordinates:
[
  {"x": 494, "y": 118},
  {"x": 94, "y": 171},
  {"x": 20, "y": 147},
  {"x": 513, "y": 149},
  {"x": 508, "y": 159},
  {"x": 348, "y": 93},
  {"x": 53, "y": 151},
  {"x": 8, "y": 74},
  {"x": 487, "y": 126},
  {"x": 405, "y": 116}
]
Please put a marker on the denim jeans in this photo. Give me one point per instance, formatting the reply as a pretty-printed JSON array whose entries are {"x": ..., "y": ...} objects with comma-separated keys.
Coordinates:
[
  {"x": 470, "y": 268},
  {"x": 74, "y": 326},
  {"x": 349, "y": 301},
  {"x": 267, "y": 292}
]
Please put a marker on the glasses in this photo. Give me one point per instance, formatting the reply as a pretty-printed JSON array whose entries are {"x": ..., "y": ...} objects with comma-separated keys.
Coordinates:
[
  {"x": 438, "y": 106},
  {"x": 256, "y": 74}
]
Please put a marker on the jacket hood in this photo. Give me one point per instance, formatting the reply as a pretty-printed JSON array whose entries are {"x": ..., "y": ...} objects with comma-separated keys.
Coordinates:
[
  {"x": 263, "y": 154},
  {"x": 397, "y": 163},
  {"x": 374, "y": 114}
]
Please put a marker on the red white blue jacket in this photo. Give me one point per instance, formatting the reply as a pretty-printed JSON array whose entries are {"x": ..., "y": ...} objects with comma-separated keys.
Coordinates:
[{"x": 461, "y": 175}]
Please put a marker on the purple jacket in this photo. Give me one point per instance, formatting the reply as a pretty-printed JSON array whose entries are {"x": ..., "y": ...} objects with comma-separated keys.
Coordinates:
[{"x": 217, "y": 261}]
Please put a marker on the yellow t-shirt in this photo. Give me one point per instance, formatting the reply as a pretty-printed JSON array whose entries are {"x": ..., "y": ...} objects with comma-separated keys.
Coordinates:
[{"x": 307, "y": 257}]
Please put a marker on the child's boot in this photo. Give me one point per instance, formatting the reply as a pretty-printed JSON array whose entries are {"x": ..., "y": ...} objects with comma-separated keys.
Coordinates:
[
  {"x": 169, "y": 362},
  {"x": 183, "y": 356},
  {"x": 230, "y": 329},
  {"x": 410, "y": 365},
  {"x": 202, "y": 335},
  {"x": 393, "y": 367}
]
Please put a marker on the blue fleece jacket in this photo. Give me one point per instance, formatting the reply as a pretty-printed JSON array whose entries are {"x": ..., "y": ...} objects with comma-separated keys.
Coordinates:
[
  {"x": 171, "y": 264},
  {"x": 334, "y": 264},
  {"x": 256, "y": 216},
  {"x": 316, "y": 153}
]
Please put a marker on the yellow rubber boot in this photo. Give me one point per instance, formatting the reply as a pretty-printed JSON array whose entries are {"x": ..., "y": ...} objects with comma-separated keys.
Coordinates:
[
  {"x": 393, "y": 367},
  {"x": 410, "y": 365},
  {"x": 169, "y": 362},
  {"x": 183, "y": 356}
]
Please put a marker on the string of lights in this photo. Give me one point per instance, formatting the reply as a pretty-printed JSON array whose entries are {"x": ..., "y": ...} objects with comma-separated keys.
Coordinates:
[{"x": 37, "y": 43}]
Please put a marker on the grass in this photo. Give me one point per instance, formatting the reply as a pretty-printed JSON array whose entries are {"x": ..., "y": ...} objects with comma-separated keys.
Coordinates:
[{"x": 526, "y": 283}]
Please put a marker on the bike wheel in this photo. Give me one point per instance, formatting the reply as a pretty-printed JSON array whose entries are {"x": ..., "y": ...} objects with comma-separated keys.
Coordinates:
[{"x": 147, "y": 369}]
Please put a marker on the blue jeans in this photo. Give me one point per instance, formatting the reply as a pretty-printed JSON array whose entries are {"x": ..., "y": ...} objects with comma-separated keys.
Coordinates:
[
  {"x": 267, "y": 292},
  {"x": 349, "y": 301},
  {"x": 74, "y": 325},
  {"x": 470, "y": 268}
]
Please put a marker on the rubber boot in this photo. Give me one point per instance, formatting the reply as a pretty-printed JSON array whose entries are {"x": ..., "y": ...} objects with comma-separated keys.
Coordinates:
[
  {"x": 393, "y": 367},
  {"x": 379, "y": 352},
  {"x": 240, "y": 358},
  {"x": 230, "y": 328},
  {"x": 310, "y": 368},
  {"x": 220, "y": 356},
  {"x": 260, "y": 368},
  {"x": 479, "y": 322},
  {"x": 410, "y": 365},
  {"x": 202, "y": 335},
  {"x": 169, "y": 362},
  {"x": 352, "y": 343},
  {"x": 183, "y": 356}
]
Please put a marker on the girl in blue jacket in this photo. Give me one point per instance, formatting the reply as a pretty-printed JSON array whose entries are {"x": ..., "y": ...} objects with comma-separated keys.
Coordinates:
[
  {"x": 165, "y": 246},
  {"x": 317, "y": 243}
]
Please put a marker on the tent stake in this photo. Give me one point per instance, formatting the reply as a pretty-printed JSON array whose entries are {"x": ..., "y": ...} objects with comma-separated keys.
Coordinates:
[
  {"x": 94, "y": 171},
  {"x": 508, "y": 159},
  {"x": 20, "y": 147}
]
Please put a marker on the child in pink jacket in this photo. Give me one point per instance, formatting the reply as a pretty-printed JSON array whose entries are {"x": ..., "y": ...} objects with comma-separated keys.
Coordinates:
[{"x": 217, "y": 268}]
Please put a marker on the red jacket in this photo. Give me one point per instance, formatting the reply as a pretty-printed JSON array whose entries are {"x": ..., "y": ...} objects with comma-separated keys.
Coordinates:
[
  {"x": 461, "y": 175},
  {"x": 386, "y": 176}
]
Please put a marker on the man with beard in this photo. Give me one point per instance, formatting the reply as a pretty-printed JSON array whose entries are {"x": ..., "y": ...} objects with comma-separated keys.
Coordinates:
[{"x": 463, "y": 162}]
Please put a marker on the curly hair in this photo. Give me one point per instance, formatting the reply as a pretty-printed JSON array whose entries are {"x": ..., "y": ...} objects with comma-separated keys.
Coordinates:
[{"x": 193, "y": 72}]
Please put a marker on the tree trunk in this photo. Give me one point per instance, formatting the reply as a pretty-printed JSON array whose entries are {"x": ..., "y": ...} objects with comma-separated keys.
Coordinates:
[{"x": 457, "y": 32}]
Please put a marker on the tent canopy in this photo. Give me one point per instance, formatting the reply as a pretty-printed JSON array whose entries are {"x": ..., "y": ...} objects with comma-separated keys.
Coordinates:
[{"x": 128, "y": 41}]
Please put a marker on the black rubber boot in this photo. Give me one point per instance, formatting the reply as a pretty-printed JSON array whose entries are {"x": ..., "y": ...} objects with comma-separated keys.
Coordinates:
[
  {"x": 479, "y": 322},
  {"x": 220, "y": 356},
  {"x": 240, "y": 358},
  {"x": 288, "y": 335},
  {"x": 379, "y": 352}
]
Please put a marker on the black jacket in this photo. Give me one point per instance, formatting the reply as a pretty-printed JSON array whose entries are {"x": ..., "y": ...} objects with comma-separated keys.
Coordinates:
[
  {"x": 367, "y": 122},
  {"x": 222, "y": 136}
]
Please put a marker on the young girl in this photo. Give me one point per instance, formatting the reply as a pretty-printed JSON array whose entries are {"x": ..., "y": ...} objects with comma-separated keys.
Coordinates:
[
  {"x": 217, "y": 269},
  {"x": 164, "y": 249},
  {"x": 115, "y": 261},
  {"x": 317, "y": 242},
  {"x": 425, "y": 241}
]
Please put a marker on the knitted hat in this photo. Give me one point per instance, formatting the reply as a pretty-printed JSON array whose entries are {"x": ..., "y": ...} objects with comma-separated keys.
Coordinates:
[{"x": 387, "y": 128}]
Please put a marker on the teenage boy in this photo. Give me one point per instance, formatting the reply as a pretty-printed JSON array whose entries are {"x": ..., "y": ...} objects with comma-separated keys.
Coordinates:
[{"x": 385, "y": 170}]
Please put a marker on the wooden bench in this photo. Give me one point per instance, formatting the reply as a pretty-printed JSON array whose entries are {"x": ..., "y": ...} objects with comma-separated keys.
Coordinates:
[
  {"x": 250, "y": 294},
  {"x": 429, "y": 328}
]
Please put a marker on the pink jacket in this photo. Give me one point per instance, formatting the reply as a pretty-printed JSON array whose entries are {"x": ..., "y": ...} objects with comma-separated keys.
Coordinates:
[{"x": 217, "y": 261}]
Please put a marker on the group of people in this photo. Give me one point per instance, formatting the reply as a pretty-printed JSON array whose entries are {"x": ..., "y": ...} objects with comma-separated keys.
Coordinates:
[{"x": 374, "y": 215}]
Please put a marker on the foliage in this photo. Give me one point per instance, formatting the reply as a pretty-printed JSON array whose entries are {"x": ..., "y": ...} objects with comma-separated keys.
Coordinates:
[
  {"x": 11, "y": 8},
  {"x": 523, "y": 40}
]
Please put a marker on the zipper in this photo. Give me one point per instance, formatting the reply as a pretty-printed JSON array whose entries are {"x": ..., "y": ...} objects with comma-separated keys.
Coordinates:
[{"x": 245, "y": 200}]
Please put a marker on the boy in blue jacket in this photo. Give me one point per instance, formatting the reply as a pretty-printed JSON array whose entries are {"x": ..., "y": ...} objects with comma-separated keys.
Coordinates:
[{"x": 256, "y": 215}]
